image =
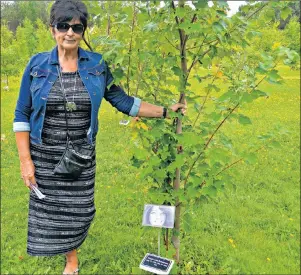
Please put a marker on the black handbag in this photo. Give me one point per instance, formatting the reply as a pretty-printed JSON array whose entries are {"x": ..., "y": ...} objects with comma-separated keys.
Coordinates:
[{"x": 76, "y": 157}]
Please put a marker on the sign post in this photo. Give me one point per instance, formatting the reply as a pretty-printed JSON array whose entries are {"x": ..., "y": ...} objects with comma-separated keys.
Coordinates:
[{"x": 161, "y": 216}]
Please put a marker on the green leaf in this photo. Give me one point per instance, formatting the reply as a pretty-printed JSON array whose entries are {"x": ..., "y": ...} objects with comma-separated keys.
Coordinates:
[
  {"x": 249, "y": 97},
  {"x": 206, "y": 61},
  {"x": 270, "y": 14},
  {"x": 258, "y": 93},
  {"x": 226, "y": 96},
  {"x": 180, "y": 12},
  {"x": 212, "y": 86},
  {"x": 285, "y": 12},
  {"x": 260, "y": 69},
  {"x": 250, "y": 158},
  {"x": 185, "y": 26},
  {"x": 219, "y": 184},
  {"x": 275, "y": 144},
  {"x": 214, "y": 116},
  {"x": 140, "y": 153},
  {"x": 197, "y": 106},
  {"x": 189, "y": 138},
  {"x": 218, "y": 154},
  {"x": 245, "y": 8},
  {"x": 210, "y": 191},
  {"x": 154, "y": 160},
  {"x": 252, "y": 34},
  {"x": 272, "y": 75},
  {"x": 203, "y": 168},
  {"x": 152, "y": 26},
  {"x": 179, "y": 161},
  {"x": 217, "y": 27},
  {"x": 244, "y": 120},
  {"x": 200, "y": 4},
  {"x": 196, "y": 27},
  {"x": 177, "y": 71},
  {"x": 223, "y": 4}
]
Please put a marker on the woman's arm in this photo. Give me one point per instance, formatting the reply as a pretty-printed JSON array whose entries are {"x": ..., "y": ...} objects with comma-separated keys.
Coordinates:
[
  {"x": 149, "y": 110},
  {"x": 133, "y": 106},
  {"x": 26, "y": 163}
]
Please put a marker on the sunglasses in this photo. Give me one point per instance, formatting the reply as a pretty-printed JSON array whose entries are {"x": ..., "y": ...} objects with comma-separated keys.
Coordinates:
[{"x": 64, "y": 27}]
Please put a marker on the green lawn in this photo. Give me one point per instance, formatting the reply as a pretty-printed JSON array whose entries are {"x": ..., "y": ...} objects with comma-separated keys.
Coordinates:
[{"x": 254, "y": 229}]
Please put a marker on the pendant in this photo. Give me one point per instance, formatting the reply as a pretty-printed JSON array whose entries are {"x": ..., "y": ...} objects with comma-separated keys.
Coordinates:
[{"x": 71, "y": 106}]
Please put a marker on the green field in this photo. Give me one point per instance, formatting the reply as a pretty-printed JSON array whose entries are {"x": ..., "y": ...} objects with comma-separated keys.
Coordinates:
[{"x": 254, "y": 229}]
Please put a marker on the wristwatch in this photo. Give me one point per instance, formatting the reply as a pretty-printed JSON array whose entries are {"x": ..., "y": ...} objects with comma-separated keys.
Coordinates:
[{"x": 164, "y": 112}]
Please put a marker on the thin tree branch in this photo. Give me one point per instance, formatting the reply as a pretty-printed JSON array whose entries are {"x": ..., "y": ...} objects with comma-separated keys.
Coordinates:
[
  {"x": 209, "y": 140},
  {"x": 174, "y": 7},
  {"x": 171, "y": 43},
  {"x": 182, "y": 36},
  {"x": 193, "y": 62},
  {"x": 222, "y": 122},
  {"x": 237, "y": 161},
  {"x": 139, "y": 77},
  {"x": 192, "y": 21},
  {"x": 206, "y": 97},
  {"x": 130, "y": 49},
  {"x": 234, "y": 28}
]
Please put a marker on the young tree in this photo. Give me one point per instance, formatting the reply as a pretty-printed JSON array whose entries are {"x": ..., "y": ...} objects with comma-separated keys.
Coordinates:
[
  {"x": 44, "y": 40},
  {"x": 159, "y": 51},
  {"x": 25, "y": 42}
]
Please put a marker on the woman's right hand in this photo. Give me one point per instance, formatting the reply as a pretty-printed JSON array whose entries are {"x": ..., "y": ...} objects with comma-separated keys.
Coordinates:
[{"x": 27, "y": 172}]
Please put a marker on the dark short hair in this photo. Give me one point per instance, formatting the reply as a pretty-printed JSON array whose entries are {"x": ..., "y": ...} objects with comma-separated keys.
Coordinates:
[{"x": 66, "y": 10}]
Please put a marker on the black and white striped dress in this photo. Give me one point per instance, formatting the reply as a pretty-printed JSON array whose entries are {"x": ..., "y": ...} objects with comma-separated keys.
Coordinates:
[{"x": 60, "y": 222}]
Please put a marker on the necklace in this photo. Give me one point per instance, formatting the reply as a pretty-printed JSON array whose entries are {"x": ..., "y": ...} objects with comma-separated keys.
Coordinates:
[{"x": 71, "y": 105}]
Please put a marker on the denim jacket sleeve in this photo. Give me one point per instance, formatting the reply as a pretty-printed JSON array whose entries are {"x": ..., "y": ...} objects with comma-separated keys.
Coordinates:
[
  {"x": 119, "y": 99},
  {"x": 23, "y": 108}
]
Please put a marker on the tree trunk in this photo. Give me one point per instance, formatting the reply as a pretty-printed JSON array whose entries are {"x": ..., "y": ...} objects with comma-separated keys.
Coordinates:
[{"x": 176, "y": 183}]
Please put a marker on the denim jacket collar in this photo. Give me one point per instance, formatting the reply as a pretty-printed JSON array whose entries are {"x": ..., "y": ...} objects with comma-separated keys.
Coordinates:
[{"x": 53, "y": 58}]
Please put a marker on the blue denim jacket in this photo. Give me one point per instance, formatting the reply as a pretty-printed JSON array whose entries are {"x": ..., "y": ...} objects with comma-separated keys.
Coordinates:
[{"x": 41, "y": 73}]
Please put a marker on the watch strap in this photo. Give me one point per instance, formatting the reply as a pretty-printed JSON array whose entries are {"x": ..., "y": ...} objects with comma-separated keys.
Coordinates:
[{"x": 164, "y": 112}]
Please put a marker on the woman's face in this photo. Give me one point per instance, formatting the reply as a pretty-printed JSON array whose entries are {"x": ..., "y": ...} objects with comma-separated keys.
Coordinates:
[
  {"x": 67, "y": 40},
  {"x": 157, "y": 217}
]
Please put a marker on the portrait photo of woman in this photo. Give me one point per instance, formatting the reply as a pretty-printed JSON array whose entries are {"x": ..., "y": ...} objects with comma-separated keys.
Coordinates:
[{"x": 158, "y": 216}]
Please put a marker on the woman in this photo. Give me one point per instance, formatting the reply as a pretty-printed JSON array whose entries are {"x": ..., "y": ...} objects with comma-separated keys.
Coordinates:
[{"x": 59, "y": 223}]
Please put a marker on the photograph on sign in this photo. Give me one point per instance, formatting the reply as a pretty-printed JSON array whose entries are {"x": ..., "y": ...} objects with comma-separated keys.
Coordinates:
[
  {"x": 158, "y": 216},
  {"x": 156, "y": 264}
]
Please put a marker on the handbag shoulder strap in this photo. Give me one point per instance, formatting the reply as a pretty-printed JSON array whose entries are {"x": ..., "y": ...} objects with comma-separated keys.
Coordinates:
[{"x": 65, "y": 109}]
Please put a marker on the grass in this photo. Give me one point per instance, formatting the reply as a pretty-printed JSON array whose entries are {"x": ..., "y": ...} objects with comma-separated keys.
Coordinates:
[{"x": 254, "y": 229}]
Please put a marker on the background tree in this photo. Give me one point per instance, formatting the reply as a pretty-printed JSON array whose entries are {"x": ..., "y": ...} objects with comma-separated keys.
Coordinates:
[
  {"x": 26, "y": 41},
  {"x": 43, "y": 37},
  {"x": 15, "y": 12},
  {"x": 9, "y": 60}
]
